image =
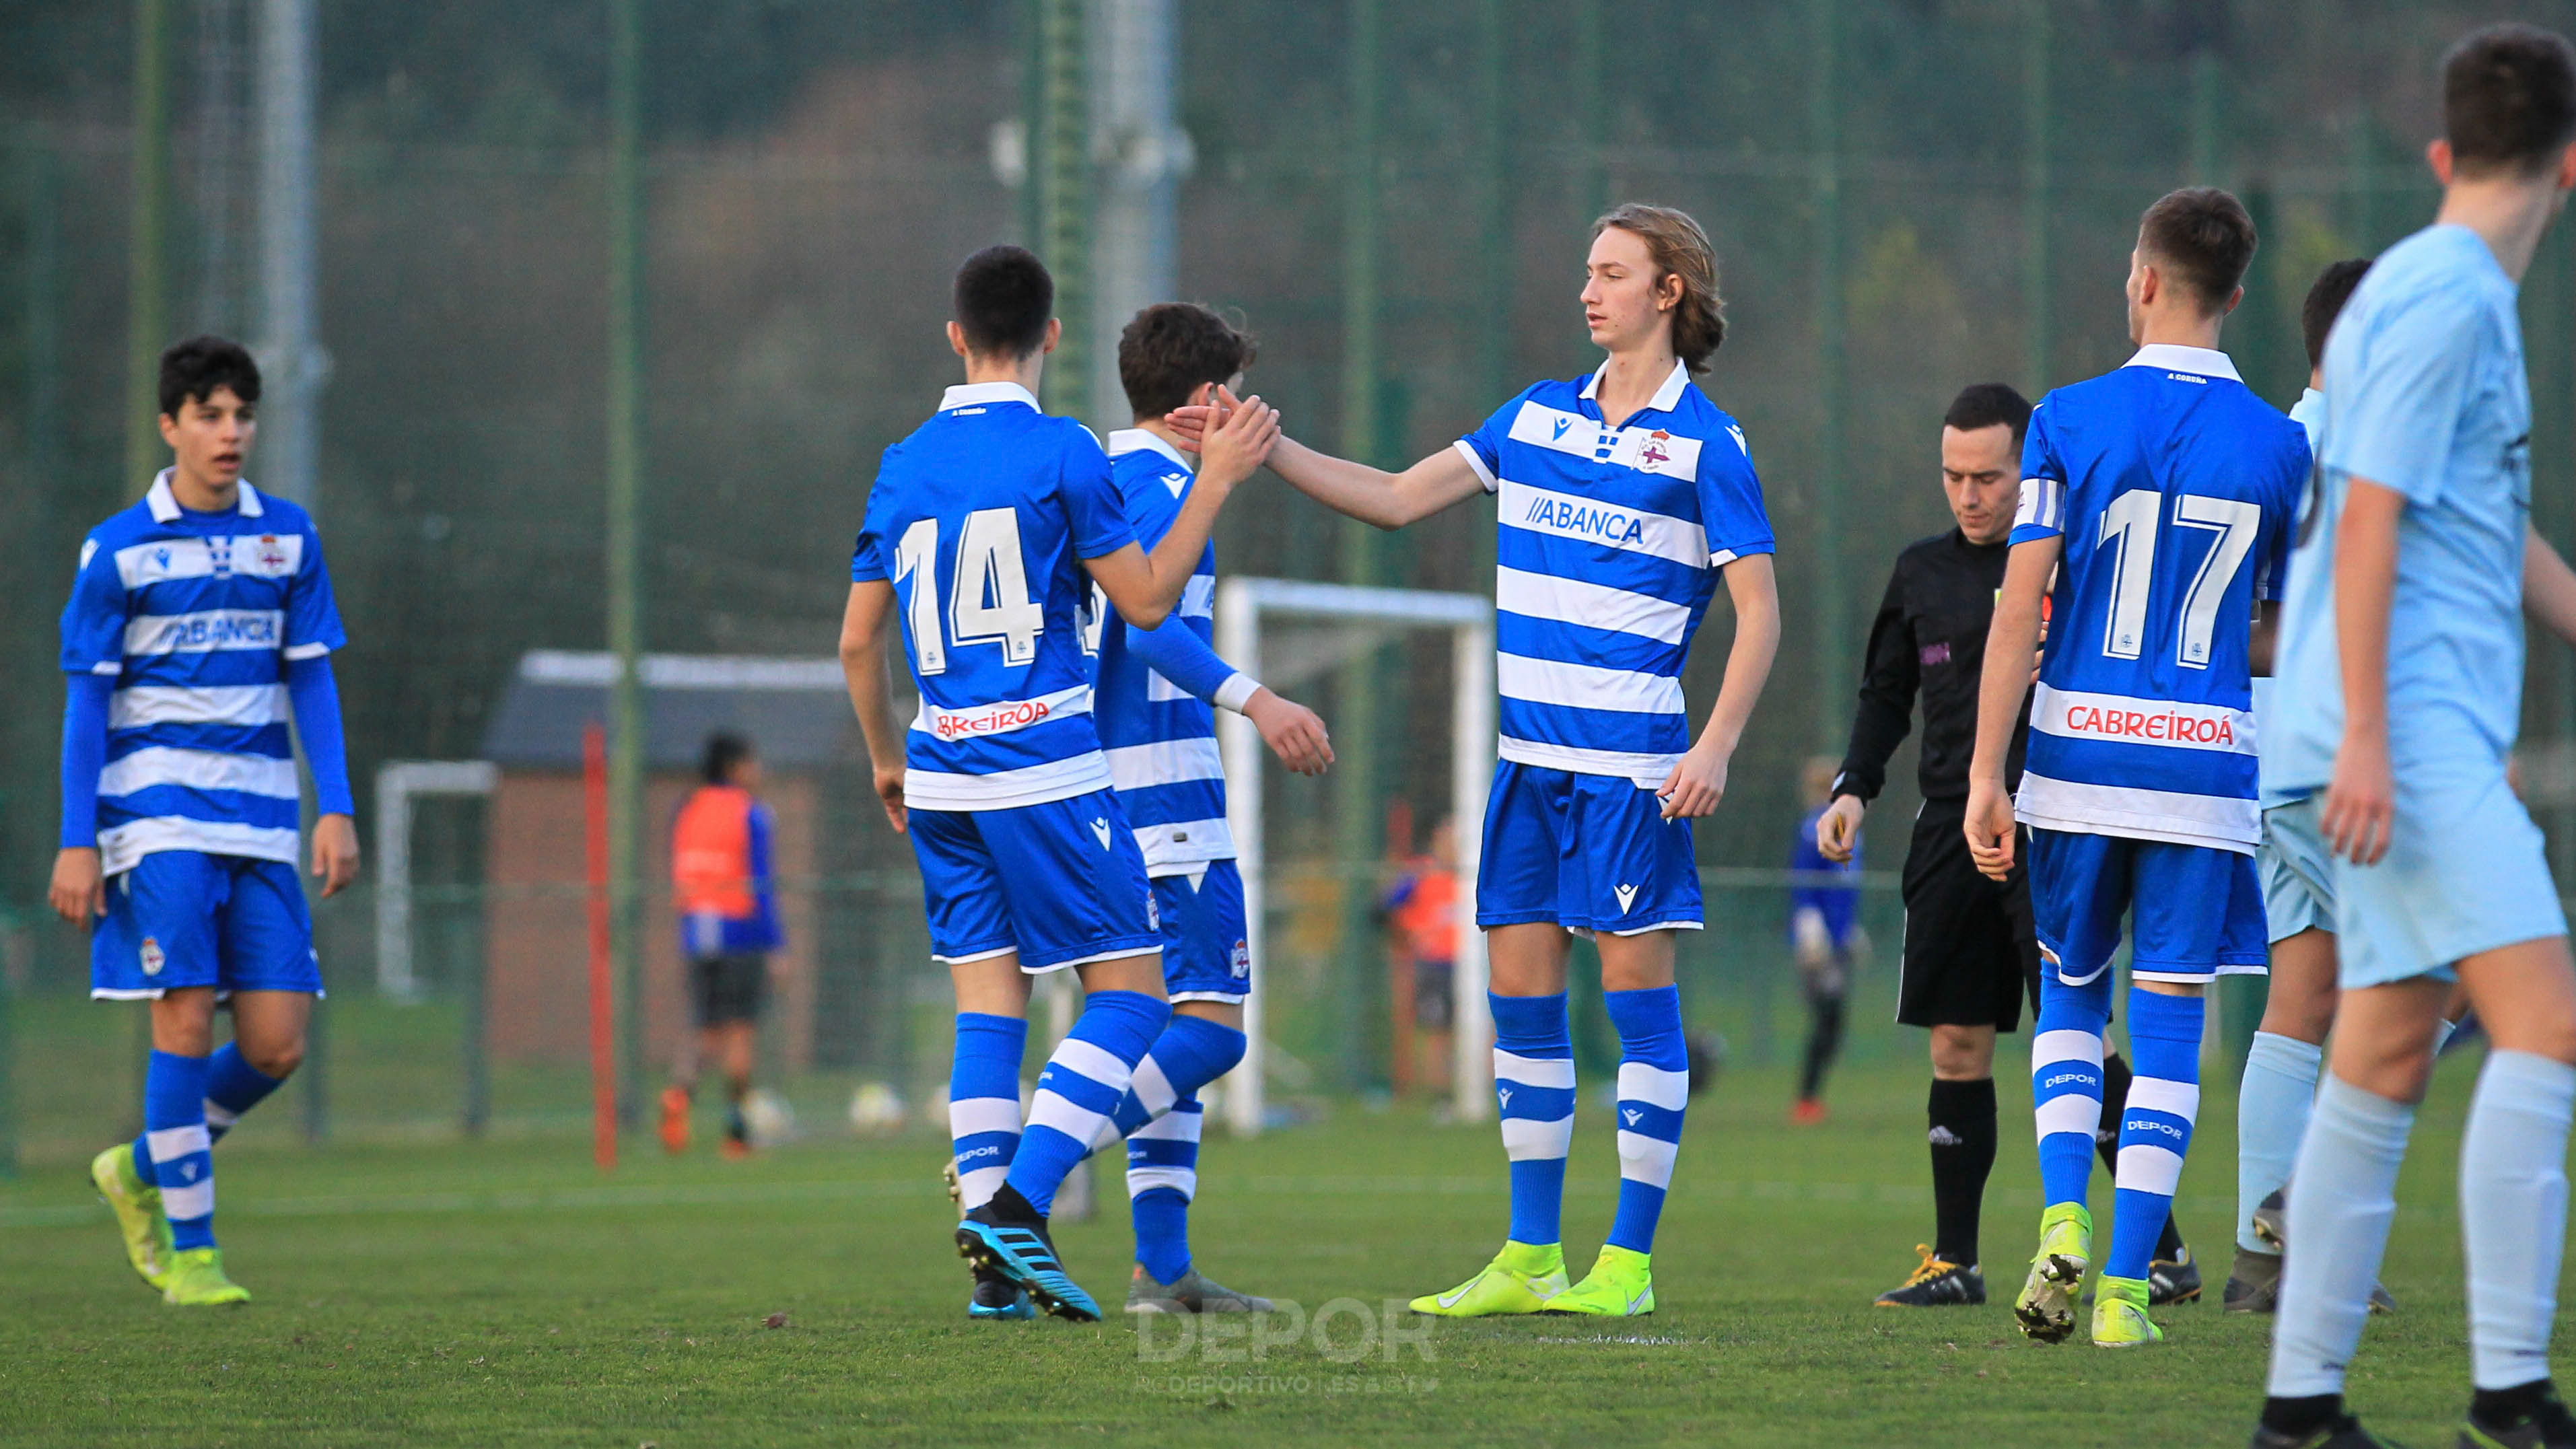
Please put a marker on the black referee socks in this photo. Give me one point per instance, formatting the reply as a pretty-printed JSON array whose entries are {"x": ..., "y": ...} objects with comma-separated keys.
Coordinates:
[{"x": 1963, "y": 1153}]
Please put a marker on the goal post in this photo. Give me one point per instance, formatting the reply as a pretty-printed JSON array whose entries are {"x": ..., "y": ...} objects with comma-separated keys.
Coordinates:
[{"x": 1242, "y": 607}]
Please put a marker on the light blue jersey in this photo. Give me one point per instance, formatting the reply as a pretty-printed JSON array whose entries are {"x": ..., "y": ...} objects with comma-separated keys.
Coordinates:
[
  {"x": 2173, "y": 486},
  {"x": 981, "y": 519},
  {"x": 1610, "y": 544},
  {"x": 2425, "y": 394},
  {"x": 2309, "y": 413},
  {"x": 1156, "y": 686},
  {"x": 196, "y": 616}
]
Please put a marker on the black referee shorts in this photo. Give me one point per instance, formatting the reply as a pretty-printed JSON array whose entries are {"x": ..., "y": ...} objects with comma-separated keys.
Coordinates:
[{"x": 1971, "y": 954}]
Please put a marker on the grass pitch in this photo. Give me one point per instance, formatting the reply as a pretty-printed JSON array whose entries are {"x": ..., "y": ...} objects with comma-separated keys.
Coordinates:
[{"x": 507, "y": 1294}]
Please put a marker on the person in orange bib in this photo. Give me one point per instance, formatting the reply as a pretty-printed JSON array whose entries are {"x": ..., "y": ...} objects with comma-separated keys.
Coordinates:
[{"x": 721, "y": 882}]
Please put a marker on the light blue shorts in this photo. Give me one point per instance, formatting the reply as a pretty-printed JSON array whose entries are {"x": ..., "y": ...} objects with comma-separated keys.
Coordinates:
[
  {"x": 2466, "y": 871},
  {"x": 2298, "y": 879}
]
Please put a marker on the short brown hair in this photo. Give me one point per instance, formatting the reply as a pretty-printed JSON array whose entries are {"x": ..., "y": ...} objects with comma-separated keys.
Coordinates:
[
  {"x": 1681, "y": 249},
  {"x": 2203, "y": 239},
  {"x": 2508, "y": 98},
  {"x": 1170, "y": 348},
  {"x": 1004, "y": 299},
  {"x": 2326, "y": 296}
]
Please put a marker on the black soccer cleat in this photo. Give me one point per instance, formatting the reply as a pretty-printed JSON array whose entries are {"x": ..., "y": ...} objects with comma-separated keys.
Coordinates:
[
  {"x": 2253, "y": 1284},
  {"x": 2541, "y": 1422},
  {"x": 2173, "y": 1280},
  {"x": 1936, "y": 1283}
]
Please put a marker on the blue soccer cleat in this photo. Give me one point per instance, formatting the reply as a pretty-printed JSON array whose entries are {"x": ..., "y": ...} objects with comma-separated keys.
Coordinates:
[
  {"x": 1022, "y": 1253},
  {"x": 998, "y": 1298}
]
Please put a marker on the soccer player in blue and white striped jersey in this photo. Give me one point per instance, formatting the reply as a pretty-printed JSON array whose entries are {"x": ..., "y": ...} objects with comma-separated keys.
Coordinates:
[
  {"x": 1156, "y": 687},
  {"x": 979, "y": 534},
  {"x": 200, "y": 623},
  {"x": 2159, "y": 497},
  {"x": 1624, "y": 498}
]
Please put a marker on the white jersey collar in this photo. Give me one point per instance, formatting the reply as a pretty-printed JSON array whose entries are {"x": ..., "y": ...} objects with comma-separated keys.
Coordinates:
[
  {"x": 165, "y": 504},
  {"x": 969, "y": 394},
  {"x": 1137, "y": 440},
  {"x": 1665, "y": 396},
  {"x": 2174, "y": 357}
]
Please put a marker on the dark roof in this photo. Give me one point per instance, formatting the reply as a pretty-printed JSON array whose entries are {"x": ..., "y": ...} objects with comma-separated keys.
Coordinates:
[{"x": 795, "y": 712}]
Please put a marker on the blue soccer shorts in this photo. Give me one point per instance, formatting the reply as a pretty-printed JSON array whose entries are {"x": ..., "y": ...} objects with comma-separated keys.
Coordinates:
[
  {"x": 182, "y": 918},
  {"x": 2466, "y": 871},
  {"x": 1207, "y": 954},
  {"x": 1587, "y": 852},
  {"x": 1060, "y": 883},
  {"x": 2298, "y": 874},
  {"x": 2196, "y": 911}
]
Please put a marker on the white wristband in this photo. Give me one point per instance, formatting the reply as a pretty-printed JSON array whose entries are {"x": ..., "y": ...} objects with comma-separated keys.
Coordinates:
[{"x": 1237, "y": 691}]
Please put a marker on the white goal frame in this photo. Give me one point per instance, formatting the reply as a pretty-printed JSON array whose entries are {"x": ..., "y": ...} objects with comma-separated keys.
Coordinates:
[
  {"x": 398, "y": 783},
  {"x": 1241, "y": 606}
]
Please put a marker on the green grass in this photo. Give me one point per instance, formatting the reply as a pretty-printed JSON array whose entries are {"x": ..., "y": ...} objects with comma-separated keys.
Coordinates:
[{"x": 507, "y": 1294}]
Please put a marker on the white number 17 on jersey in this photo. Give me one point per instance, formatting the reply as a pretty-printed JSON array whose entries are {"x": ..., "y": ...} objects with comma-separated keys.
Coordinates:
[
  {"x": 990, "y": 602},
  {"x": 2131, "y": 521}
]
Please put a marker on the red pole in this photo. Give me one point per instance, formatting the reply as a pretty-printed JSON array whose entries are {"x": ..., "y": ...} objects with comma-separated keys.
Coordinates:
[{"x": 603, "y": 1011}]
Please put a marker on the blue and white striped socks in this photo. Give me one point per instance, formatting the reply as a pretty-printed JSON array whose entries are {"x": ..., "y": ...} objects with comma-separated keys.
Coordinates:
[
  {"x": 984, "y": 1101},
  {"x": 2155, "y": 1128},
  {"x": 2272, "y": 1105},
  {"x": 1160, "y": 1117},
  {"x": 1534, "y": 1084},
  {"x": 233, "y": 1086},
  {"x": 2066, "y": 1082},
  {"x": 174, "y": 1132},
  {"x": 1654, "y": 1088},
  {"x": 1085, "y": 1078}
]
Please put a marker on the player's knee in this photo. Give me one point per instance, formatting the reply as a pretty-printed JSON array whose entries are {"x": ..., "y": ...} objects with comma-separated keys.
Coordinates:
[{"x": 276, "y": 1059}]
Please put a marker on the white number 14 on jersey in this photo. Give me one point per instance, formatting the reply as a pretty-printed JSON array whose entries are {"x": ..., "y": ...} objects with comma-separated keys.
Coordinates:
[{"x": 989, "y": 602}]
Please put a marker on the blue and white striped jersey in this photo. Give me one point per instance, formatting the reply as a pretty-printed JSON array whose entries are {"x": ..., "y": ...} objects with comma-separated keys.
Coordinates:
[
  {"x": 1610, "y": 544},
  {"x": 2174, "y": 487},
  {"x": 1156, "y": 686},
  {"x": 196, "y": 615},
  {"x": 981, "y": 519}
]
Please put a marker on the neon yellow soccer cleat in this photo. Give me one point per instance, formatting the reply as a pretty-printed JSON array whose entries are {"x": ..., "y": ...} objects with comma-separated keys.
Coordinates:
[
  {"x": 137, "y": 1205},
  {"x": 1619, "y": 1286},
  {"x": 2120, "y": 1315},
  {"x": 197, "y": 1280},
  {"x": 1522, "y": 1277},
  {"x": 2046, "y": 1307}
]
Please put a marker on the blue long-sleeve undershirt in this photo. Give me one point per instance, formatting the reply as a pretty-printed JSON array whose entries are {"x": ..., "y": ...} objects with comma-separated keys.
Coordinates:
[
  {"x": 84, "y": 755},
  {"x": 315, "y": 695},
  {"x": 1177, "y": 653}
]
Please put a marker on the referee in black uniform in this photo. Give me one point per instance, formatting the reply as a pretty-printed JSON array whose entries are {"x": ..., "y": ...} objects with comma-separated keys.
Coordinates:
[{"x": 1971, "y": 956}]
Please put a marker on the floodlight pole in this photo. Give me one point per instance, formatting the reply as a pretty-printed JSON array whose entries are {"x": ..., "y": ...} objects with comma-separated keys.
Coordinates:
[
  {"x": 1833, "y": 644},
  {"x": 291, "y": 356},
  {"x": 1143, "y": 155},
  {"x": 2036, "y": 199},
  {"x": 147, "y": 302},
  {"x": 625, "y": 542}
]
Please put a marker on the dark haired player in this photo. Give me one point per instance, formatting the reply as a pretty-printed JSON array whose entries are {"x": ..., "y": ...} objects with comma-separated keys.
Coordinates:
[
  {"x": 2400, "y": 699},
  {"x": 1970, "y": 954},
  {"x": 979, "y": 532},
  {"x": 727, "y": 898},
  {"x": 2159, "y": 498},
  {"x": 1156, "y": 687},
  {"x": 1623, "y": 499},
  {"x": 200, "y": 623}
]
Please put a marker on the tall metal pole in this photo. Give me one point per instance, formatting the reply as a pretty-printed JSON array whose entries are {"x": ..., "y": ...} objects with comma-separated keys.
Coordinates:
[
  {"x": 1060, "y": 173},
  {"x": 1824, "y": 119},
  {"x": 1591, "y": 127},
  {"x": 1494, "y": 205},
  {"x": 626, "y": 541},
  {"x": 1144, "y": 154},
  {"x": 1357, "y": 802},
  {"x": 291, "y": 358},
  {"x": 2208, "y": 113},
  {"x": 147, "y": 256},
  {"x": 2037, "y": 201}
]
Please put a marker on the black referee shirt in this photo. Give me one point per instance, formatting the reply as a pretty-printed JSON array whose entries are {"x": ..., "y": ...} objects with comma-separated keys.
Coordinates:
[{"x": 1929, "y": 638}]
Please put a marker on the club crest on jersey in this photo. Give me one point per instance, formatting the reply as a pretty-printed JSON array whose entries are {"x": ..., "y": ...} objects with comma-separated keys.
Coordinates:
[
  {"x": 1153, "y": 910},
  {"x": 151, "y": 956},
  {"x": 1241, "y": 961},
  {"x": 272, "y": 558},
  {"x": 1653, "y": 454}
]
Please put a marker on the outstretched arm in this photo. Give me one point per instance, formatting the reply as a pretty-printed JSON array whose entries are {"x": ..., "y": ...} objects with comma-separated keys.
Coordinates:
[
  {"x": 1143, "y": 587},
  {"x": 2012, "y": 651},
  {"x": 863, "y": 665},
  {"x": 1371, "y": 495},
  {"x": 1292, "y": 731},
  {"x": 1699, "y": 781}
]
